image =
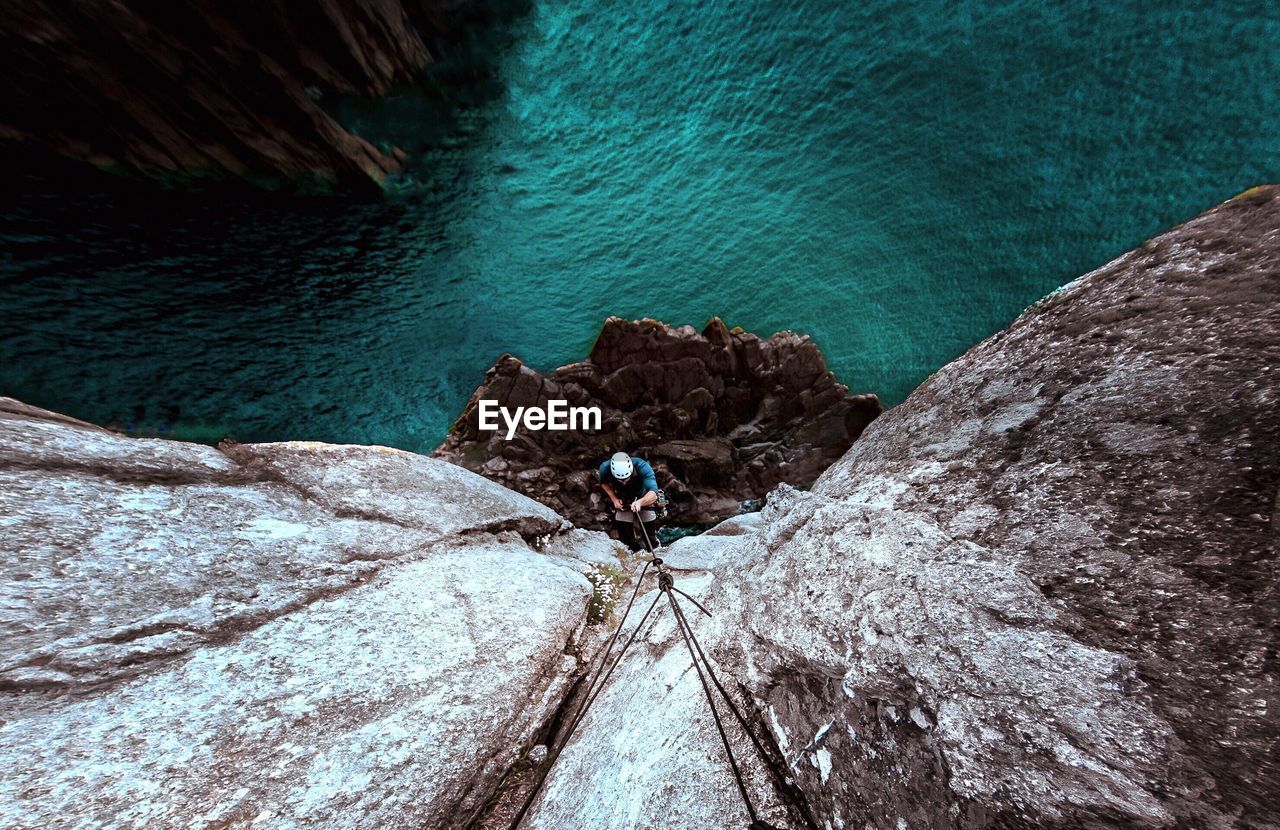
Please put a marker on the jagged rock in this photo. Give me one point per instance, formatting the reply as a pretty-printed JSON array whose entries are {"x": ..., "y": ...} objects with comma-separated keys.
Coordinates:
[
  {"x": 1041, "y": 592},
  {"x": 718, "y": 546},
  {"x": 214, "y": 89},
  {"x": 284, "y": 635},
  {"x": 723, "y": 416}
]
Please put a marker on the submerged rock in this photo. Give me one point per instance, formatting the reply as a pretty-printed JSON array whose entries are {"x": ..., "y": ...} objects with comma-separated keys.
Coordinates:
[
  {"x": 282, "y": 635},
  {"x": 1041, "y": 592},
  {"x": 723, "y": 416}
]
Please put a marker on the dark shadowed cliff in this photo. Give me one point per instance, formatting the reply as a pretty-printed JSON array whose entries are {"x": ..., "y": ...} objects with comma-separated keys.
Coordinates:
[{"x": 208, "y": 90}]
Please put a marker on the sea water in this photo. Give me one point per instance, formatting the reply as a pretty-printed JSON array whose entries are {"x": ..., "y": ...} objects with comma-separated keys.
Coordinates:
[{"x": 897, "y": 179}]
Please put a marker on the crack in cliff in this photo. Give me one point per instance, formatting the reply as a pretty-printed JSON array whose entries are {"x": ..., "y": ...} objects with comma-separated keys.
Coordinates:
[
  {"x": 257, "y": 472},
  {"x": 89, "y": 678},
  {"x": 528, "y": 528},
  {"x": 781, "y": 777},
  {"x": 499, "y": 809},
  {"x": 134, "y": 476},
  {"x": 89, "y": 675}
]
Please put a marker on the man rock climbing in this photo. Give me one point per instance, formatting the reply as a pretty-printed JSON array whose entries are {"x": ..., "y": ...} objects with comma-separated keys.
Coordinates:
[{"x": 632, "y": 488}]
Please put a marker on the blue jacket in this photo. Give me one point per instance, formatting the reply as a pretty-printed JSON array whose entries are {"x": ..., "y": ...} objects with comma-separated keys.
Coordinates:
[{"x": 642, "y": 480}]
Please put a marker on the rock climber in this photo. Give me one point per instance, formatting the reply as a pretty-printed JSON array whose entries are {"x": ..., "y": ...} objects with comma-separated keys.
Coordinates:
[{"x": 633, "y": 489}]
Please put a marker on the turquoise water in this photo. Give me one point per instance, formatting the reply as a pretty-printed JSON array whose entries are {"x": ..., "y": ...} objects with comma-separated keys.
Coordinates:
[{"x": 897, "y": 179}]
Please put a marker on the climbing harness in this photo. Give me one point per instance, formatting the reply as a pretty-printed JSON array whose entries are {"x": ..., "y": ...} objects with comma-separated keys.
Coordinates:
[{"x": 667, "y": 588}]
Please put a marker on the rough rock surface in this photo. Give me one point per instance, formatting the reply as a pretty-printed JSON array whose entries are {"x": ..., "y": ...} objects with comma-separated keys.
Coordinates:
[
  {"x": 723, "y": 416},
  {"x": 718, "y": 546},
  {"x": 284, "y": 635},
  {"x": 647, "y": 754},
  {"x": 1041, "y": 592},
  {"x": 209, "y": 88}
]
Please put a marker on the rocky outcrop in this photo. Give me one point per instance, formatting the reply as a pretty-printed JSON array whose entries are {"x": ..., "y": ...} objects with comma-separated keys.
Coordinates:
[
  {"x": 723, "y": 416},
  {"x": 281, "y": 635},
  {"x": 207, "y": 90},
  {"x": 1041, "y": 592}
]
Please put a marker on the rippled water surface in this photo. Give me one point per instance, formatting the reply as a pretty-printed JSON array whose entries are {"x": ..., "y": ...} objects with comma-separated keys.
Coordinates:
[{"x": 897, "y": 179}]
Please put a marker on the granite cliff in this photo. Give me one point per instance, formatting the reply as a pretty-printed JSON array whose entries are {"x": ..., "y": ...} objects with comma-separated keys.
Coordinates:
[
  {"x": 1041, "y": 592},
  {"x": 281, "y": 635}
]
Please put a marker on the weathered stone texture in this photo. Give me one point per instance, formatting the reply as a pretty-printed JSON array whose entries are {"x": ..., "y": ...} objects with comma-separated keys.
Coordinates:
[
  {"x": 284, "y": 635},
  {"x": 1042, "y": 592}
]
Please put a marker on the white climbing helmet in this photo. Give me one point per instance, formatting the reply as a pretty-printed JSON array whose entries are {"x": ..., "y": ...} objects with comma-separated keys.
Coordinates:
[{"x": 620, "y": 466}]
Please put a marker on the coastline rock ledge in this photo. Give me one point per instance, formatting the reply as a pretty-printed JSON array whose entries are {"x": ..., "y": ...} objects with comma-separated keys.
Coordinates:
[
  {"x": 1040, "y": 593},
  {"x": 723, "y": 415}
]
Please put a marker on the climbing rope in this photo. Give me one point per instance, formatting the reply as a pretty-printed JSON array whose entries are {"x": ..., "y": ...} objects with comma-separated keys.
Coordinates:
[
  {"x": 666, "y": 587},
  {"x": 683, "y": 625},
  {"x": 594, "y": 687},
  {"x": 733, "y": 707}
]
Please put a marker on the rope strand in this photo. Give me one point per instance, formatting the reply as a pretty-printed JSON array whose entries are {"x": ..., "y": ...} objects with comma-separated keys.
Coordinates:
[
  {"x": 715, "y": 714},
  {"x": 593, "y": 691},
  {"x": 737, "y": 713},
  {"x": 666, "y": 585},
  {"x": 614, "y": 637}
]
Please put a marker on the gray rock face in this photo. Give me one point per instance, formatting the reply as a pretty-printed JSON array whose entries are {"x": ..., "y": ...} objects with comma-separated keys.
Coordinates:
[
  {"x": 721, "y": 545},
  {"x": 1041, "y": 592},
  {"x": 281, "y": 635},
  {"x": 647, "y": 754}
]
